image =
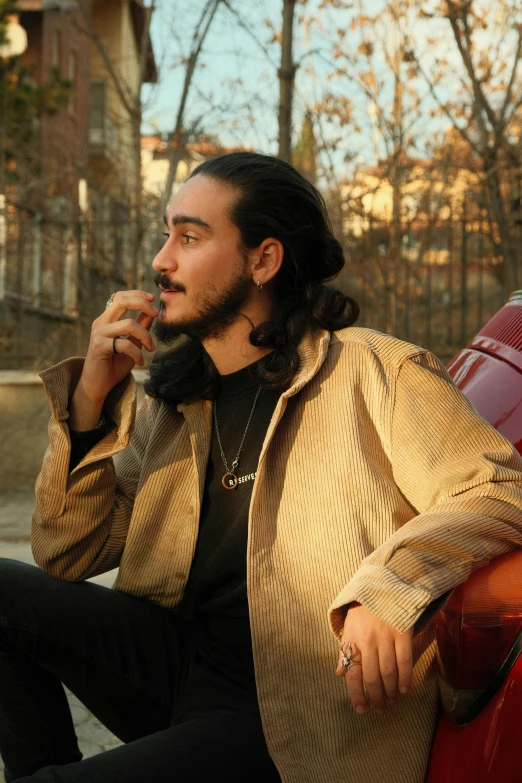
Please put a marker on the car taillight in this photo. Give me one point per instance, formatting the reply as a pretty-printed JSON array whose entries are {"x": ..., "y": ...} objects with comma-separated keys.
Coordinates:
[{"x": 479, "y": 636}]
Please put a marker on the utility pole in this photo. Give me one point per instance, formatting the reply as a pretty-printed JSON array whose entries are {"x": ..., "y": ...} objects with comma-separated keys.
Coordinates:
[{"x": 286, "y": 81}]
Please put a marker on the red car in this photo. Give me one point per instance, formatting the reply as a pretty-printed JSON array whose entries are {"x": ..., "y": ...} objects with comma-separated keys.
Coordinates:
[{"x": 479, "y": 629}]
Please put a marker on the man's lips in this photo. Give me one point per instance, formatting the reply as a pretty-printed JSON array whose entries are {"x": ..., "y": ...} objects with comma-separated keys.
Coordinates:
[{"x": 166, "y": 294}]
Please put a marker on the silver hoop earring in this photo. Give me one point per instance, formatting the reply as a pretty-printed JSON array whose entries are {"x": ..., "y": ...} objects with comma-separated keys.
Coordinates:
[{"x": 259, "y": 287}]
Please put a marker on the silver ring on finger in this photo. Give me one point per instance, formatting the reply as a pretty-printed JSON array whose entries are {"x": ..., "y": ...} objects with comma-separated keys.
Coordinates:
[
  {"x": 110, "y": 300},
  {"x": 347, "y": 657}
]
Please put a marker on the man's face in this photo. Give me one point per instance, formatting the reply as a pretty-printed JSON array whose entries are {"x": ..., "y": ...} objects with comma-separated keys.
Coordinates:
[{"x": 201, "y": 265}]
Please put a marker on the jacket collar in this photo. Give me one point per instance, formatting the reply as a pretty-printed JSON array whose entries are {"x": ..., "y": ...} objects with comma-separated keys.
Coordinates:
[{"x": 312, "y": 351}]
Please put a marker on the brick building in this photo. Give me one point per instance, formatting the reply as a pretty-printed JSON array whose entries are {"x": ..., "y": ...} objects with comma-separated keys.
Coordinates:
[
  {"x": 66, "y": 241},
  {"x": 56, "y": 44}
]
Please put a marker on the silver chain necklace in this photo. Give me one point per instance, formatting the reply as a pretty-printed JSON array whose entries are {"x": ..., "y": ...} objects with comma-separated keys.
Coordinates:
[{"x": 229, "y": 479}]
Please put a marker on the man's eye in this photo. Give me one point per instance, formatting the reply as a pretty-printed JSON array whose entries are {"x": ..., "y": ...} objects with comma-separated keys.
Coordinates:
[{"x": 189, "y": 236}]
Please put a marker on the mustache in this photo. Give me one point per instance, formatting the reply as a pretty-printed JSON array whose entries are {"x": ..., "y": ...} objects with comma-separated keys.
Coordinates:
[{"x": 162, "y": 281}]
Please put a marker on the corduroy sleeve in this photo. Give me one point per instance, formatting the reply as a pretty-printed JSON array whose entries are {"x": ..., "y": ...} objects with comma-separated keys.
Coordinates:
[
  {"x": 462, "y": 478},
  {"x": 81, "y": 519}
]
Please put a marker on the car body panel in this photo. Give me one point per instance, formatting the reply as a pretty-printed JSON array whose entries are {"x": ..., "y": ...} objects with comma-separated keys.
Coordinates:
[
  {"x": 486, "y": 750},
  {"x": 495, "y": 389}
]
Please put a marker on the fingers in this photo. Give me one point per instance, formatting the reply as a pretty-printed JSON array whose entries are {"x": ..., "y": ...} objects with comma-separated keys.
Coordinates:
[
  {"x": 385, "y": 671},
  {"x": 130, "y": 327},
  {"x": 145, "y": 319},
  {"x": 112, "y": 334},
  {"x": 388, "y": 671},
  {"x": 340, "y": 671},
  {"x": 127, "y": 347},
  {"x": 129, "y": 300},
  {"x": 355, "y": 686},
  {"x": 375, "y": 680},
  {"x": 371, "y": 676},
  {"x": 386, "y": 659},
  {"x": 404, "y": 657}
]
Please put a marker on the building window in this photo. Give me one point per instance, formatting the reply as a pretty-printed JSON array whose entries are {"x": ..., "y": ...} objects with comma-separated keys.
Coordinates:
[
  {"x": 72, "y": 76},
  {"x": 97, "y": 105},
  {"x": 56, "y": 50}
]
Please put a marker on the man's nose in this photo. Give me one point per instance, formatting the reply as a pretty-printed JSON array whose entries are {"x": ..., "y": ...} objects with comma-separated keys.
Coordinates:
[{"x": 165, "y": 260}]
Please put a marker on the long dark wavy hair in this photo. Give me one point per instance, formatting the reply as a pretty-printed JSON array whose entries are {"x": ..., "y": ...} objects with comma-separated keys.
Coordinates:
[{"x": 274, "y": 200}]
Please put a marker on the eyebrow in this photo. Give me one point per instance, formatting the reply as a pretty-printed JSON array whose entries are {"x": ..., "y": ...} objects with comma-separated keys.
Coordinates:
[{"x": 178, "y": 220}]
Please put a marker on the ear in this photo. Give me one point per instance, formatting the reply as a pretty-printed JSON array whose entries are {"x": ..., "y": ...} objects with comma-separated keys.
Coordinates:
[{"x": 268, "y": 259}]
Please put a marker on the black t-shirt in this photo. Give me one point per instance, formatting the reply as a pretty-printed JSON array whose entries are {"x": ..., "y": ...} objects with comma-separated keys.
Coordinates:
[
  {"x": 215, "y": 601},
  {"x": 216, "y": 593}
]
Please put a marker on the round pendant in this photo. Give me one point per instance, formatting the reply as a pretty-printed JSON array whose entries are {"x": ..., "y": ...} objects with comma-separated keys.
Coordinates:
[{"x": 229, "y": 481}]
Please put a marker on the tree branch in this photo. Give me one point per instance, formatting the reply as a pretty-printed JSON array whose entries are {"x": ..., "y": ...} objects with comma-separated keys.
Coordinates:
[
  {"x": 243, "y": 24},
  {"x": 511, "y": 84},
  {"x": 178, "y": 138},
  {"x": 481, "y": 101},
  {"x": 461, "y": 131}
]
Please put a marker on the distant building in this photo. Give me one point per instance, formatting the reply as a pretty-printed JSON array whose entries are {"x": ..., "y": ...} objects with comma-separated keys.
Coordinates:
[
  {"x": 113, "y": 136},
  {"x": 430, "y": 196},
  {"x": 92, "y": 137},
  {"x": 155, "y": 152},
  {"x": 56, "y": 44},
  {"x": 68, "y": 240}
]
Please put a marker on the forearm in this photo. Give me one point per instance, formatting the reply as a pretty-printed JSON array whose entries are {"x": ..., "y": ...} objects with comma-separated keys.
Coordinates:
[
  {"x": 81, "y": 520},
  {"x": 432, "y": 554},
  {"x": 84, "y": 413}
]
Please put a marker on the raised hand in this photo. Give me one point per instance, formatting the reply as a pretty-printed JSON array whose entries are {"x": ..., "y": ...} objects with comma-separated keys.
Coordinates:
[{"x": 103, "y": 367}]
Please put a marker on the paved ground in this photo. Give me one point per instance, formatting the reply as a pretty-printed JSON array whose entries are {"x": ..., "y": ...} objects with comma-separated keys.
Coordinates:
[{"x": 16, "y": 509}]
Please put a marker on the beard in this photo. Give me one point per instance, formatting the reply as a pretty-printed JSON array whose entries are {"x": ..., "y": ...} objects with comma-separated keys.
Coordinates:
[{"x": 215, "y": 313}]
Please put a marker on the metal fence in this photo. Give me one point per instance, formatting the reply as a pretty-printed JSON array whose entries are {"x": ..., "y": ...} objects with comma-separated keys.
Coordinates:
[
  {"x": 443, "y": 285},
  {"x": 56, "y": 275}
]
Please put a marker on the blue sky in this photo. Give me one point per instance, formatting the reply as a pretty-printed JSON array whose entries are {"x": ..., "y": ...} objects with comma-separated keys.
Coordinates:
[
  {"x": 229, "y": 54},
  {"x": 236, "y": 90}
]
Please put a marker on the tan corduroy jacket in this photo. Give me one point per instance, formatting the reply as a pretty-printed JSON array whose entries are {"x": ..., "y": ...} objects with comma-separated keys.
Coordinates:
[{"x": 377, "y": 482}]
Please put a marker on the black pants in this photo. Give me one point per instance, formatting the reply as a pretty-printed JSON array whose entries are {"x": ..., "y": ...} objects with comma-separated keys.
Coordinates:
[{"x": 136, "y": 667}]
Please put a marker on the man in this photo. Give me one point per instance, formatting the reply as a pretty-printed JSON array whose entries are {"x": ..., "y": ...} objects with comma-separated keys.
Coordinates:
[{"x": 288, "y": 475}]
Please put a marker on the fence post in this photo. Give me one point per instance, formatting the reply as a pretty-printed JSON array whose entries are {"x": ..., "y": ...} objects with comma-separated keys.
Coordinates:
[
  {"x": 3, "y": 245},
  {"x": 407, "y": 297},
  {"x": 429, "y": 304},
  {"x": 480, "y": 288},
  {"x": 450, "y": 276},
  {"x": 80, "y": 276},
  {"x": 37, "y": 259},
  {"x": 464, "y": 278}
]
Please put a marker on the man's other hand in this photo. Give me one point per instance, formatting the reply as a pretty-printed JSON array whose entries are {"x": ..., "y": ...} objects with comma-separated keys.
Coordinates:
[{"x": 381, "y": 661}]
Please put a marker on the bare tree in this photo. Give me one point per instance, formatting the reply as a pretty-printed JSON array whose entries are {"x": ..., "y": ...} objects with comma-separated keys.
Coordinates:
[
  {"x": 487, "y": 106},
  {"x": 286, "y": 81},
  {"x": 180, "y": 133},
  {"x": 375, "y": 62}
]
